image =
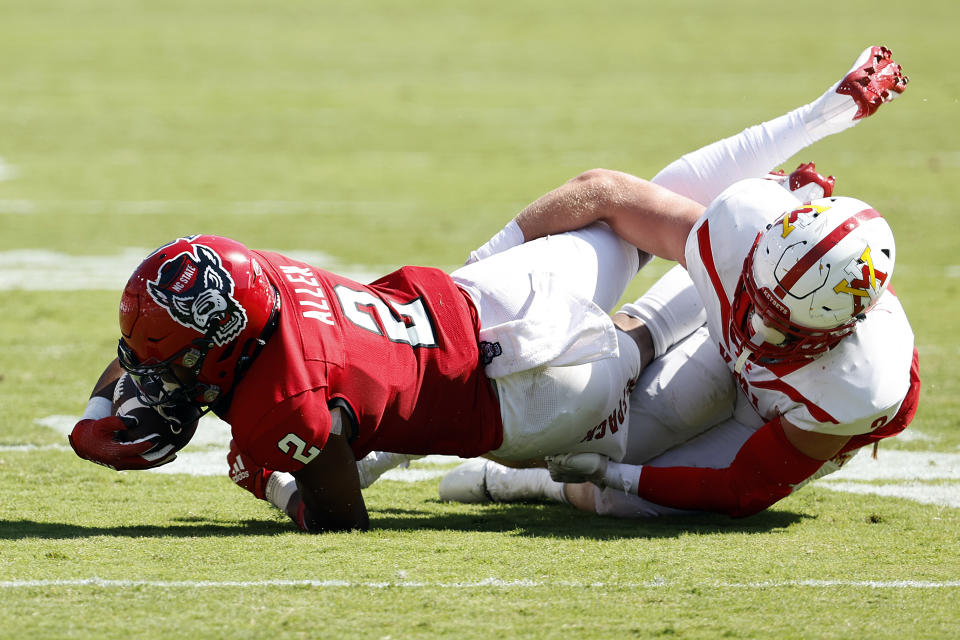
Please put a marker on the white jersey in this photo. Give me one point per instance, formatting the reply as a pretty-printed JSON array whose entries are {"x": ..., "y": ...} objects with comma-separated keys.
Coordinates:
[
  {"x": 854, "y": 388},
  {"x": 563, "y": 373}
]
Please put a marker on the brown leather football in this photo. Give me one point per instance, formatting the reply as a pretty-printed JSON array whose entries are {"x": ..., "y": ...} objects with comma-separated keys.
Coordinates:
[{"x": 173, "y": 424}]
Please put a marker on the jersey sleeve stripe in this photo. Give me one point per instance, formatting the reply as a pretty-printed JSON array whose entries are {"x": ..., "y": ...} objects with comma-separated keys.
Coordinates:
[
  {"x": 706, "y": 257},
  {"x": 780, "y": 386}
]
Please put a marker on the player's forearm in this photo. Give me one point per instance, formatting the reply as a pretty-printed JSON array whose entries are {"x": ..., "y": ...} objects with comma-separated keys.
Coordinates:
[
  {"x": 650, "y": 217},
  {"x": 282, "y": 492},
  {"x": 764, "y": 471},
  {"x": 104, "y": 385},
  {"x": 100, "y": 404},
  {"x": 573, "y": 205},
  {"x": 320, "y": 509}
]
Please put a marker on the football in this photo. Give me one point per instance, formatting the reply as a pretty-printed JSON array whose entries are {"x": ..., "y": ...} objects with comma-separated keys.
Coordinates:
[{"x": 174, "y": 424}]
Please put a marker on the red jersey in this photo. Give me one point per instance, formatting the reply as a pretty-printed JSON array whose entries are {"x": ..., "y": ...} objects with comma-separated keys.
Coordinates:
[{"x": 399, "y": 356}]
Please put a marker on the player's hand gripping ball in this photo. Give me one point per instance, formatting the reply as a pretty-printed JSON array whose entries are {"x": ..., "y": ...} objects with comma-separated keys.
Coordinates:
[{"x": 169, "y": 427}]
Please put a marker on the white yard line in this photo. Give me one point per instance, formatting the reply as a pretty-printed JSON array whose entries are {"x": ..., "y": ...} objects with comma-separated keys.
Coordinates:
[
  {"x": 916, "y": 471},
  {"x": 207, "y": 452},
  {"x": 44, "y": 270},
  {"x": 182, "y": 207},
  {"x": 657, "y": 583},
  {"x": 900, "y": 465},
  {"x": 34, "y": 447},
  {"x": 7, "y": 171},
  {"x": 947, "y": 495}
]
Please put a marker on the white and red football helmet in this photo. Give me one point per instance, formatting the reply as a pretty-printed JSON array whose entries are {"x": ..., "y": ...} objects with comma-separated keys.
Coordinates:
[
  {"x": 202, "y": 303},
  {"x": 810, "y": 277}
]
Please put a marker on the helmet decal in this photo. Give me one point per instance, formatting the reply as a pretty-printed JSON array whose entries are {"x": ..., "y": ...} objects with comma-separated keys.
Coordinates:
[
  {"x": 197, "y": 292},
  {"x": 792, "y": 219},
  {"x": 821, "y": 248},
  {"x": 810, "y": 277},
  {"x": 870, "y": 280}
]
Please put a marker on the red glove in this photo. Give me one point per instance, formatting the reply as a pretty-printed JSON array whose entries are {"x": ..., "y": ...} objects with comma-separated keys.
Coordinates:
[
  {"x": 101, "y": 441},
  {"x": 245, "y": 473}
]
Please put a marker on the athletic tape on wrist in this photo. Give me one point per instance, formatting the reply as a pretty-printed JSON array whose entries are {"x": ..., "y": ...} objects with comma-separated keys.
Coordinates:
[
  {"x": 280, "y": 488},
  {"x": 623, "y": 477},
  {"x": 507, "y": 238},
  {"x": 98, "y": 408}
]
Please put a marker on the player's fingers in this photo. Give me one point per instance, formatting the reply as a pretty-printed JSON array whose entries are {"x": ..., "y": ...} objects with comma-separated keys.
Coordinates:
[
  {"x": 139, "y": 463},
  {"x": 136, "y": 447},
  {"x": 96, "y": 440}
]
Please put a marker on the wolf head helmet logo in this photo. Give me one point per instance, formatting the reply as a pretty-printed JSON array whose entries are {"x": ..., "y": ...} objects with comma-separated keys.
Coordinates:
[
  {"x": 197, "y": 292},
  {"x": 201, "y": 303}
]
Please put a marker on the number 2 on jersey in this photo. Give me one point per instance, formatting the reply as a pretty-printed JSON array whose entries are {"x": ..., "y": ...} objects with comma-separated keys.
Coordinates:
[
  {"x": 408, "y": 323},
  {"x": 296, "y": 448}
]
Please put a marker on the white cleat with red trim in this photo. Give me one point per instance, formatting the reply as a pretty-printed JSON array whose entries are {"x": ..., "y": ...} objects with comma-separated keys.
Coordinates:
[{"x": 874, "y": 79}]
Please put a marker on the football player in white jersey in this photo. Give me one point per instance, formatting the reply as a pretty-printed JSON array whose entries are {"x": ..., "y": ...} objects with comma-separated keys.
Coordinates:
[{"x": 780, "y": 351}]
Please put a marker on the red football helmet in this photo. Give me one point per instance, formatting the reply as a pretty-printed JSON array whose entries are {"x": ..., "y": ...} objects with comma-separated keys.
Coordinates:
[
  {"x": 192, "y": 316},
  {"x": 810, "y": 277}
]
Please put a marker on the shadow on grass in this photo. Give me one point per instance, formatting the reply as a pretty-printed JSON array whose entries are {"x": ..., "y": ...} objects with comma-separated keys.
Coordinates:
[
  {"x": 557, "y": 521},
  {"x": 529, "y": 520},
  {"x": 186, "y": 528}
]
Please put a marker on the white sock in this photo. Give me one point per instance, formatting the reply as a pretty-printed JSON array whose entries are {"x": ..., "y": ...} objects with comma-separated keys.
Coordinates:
[
  {"x": 516, "y": 485},
  {"x": 832, "y": 112},
  {"x": 376, "y": 463},
  {"x": 508, "y": 237},
  {"x": 623, "y": 477},
  {"x": 671, "y": 309},
  {"x": 702, "y": 174}
]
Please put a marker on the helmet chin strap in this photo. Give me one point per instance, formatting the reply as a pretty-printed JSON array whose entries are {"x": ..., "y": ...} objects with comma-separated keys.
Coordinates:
[
  {"x": 762, "y": 333},
  {"x": 741, "y": 360}
]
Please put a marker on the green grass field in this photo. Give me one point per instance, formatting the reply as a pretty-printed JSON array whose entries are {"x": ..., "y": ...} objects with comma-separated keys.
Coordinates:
[{"x": 383, "y": 133}]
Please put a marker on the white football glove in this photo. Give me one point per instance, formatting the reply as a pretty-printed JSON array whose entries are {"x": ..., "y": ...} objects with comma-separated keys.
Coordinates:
[{"x": 578, "y": 467}]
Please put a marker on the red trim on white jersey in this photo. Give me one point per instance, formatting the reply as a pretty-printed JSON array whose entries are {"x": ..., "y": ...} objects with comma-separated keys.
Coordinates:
[
  {"x": 782, "y": 387},
  {"x": 903, "y": 417},
  {"x": 706, "y": 257}
]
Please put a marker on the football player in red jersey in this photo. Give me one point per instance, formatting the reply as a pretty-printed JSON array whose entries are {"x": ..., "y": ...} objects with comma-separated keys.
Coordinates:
[
  {"x": 806, "y": 355},
  {"x": 313, "y": 371}
]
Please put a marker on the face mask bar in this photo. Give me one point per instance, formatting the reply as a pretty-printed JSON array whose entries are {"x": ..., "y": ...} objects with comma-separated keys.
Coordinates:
[{"x": 158, "y": 383}]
